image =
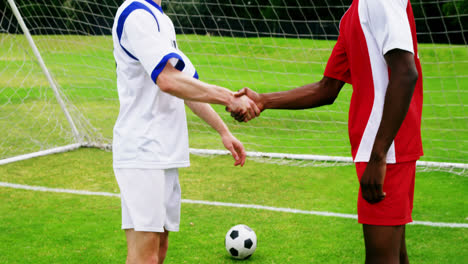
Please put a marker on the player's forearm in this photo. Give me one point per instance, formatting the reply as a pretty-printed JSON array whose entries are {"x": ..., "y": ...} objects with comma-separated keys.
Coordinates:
[
  {"x": 397, "y": 101},
  {"x": 396, "y": 106},
  {"x": 185, "y": 87},
  {"x": 299, "y": 98},
  {"x": 311, "y": 95},
  {"x": 207, "y": 114},
  {"x": 192, "y": 89}
]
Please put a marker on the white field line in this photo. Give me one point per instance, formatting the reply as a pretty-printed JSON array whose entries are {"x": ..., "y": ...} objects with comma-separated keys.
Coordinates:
[{"x": 236, "y": 205}]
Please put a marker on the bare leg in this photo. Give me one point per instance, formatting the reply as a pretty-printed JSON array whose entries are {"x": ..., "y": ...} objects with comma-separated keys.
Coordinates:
[
  {"x": 384, "y": 244},
  {"x": 403, "y": 253},
  {"x": 163, "y": 246},
  {"x": 142, "y": 247}
]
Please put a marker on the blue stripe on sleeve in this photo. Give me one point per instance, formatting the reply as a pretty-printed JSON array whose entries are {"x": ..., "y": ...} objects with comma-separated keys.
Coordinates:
[
  {"x": 158, "y": 69},
  {"x": 123, "y": 17},
  {"x": 196, "y": 75}
]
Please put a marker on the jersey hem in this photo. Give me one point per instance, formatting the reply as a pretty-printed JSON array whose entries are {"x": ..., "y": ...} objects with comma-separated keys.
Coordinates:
[
  {"x": 150, "y": 165},
  {"x": 393, "y": 160}
]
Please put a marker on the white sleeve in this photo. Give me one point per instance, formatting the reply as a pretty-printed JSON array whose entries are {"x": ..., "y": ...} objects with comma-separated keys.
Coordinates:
[
  {"x": 388, "y": 22},
  {"x": 141, "y": 38},
  {"x": 189, "y": 67}
]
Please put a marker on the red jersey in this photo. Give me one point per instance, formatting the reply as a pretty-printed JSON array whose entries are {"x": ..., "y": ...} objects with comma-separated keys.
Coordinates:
[{"x": 368, "y": 30}]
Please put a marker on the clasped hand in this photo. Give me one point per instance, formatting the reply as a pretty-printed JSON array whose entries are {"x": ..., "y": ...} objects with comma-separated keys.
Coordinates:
[{"x": 246, "y": 105}]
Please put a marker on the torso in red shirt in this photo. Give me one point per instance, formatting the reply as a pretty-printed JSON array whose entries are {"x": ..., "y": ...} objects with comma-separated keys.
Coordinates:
[{"x": 368, "y": 30}]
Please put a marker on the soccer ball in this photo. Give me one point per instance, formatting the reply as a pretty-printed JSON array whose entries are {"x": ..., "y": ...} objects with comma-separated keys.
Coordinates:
[{"x": 240, "y": 242}]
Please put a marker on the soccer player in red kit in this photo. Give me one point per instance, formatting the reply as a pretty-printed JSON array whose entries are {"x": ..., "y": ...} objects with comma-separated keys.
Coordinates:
[{"x": 377, "y": 53}]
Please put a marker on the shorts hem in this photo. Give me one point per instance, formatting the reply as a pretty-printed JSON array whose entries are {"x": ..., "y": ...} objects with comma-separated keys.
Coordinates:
[
  {"x": 152, "y": 229},
  {"x": 145, "y": 229},
  {"x": 384, "y": 222},
  {"x": 172, "y": 228}
]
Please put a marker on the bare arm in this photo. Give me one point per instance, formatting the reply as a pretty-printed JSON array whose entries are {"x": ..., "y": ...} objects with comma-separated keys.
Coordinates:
[
  {"x": 400, "y": 90},
  {"x": 311, "y": 95},
  {"x": 207, "y": 114},
  {"x": 176, "y": 83}
]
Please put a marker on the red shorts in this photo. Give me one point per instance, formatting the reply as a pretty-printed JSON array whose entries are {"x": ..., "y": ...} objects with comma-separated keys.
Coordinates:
[{"x": 397, "y": 206}]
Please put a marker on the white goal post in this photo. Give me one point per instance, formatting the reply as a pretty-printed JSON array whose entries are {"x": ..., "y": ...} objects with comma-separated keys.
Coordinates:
[
  {"x": 58, "y": 92},
  {"x": 44, "y": 69}
]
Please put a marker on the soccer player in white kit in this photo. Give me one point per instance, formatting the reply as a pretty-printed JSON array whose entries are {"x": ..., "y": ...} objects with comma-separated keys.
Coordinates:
[{"x": 154, "y": 80}]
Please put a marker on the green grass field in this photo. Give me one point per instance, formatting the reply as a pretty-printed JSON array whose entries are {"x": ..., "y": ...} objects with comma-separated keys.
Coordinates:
[
  {"x": 46, "y": 227},
  {"x": 43, "y": 227}
]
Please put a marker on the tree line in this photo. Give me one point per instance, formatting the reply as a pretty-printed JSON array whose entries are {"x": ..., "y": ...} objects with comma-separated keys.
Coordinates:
[{"x": 437, "y": 21}]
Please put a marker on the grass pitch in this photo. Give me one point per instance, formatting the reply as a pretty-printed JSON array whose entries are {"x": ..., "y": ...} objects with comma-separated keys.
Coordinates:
[{"x": 44, "y": 227}]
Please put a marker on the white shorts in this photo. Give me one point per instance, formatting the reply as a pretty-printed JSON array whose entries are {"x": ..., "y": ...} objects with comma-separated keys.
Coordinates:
[{"x": 150, "y": 199}]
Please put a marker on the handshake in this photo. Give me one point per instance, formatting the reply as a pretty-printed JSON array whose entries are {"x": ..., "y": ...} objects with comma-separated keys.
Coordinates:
[{"x": 246, "y": 105}]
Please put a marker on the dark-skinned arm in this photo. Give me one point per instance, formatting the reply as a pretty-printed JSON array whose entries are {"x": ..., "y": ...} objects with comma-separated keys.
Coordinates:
[
  {"x": 403, "y": 77},
  {"x": 311, "y": 95}
]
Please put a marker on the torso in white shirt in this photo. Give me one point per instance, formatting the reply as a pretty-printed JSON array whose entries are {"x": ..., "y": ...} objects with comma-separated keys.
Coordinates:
[{"x": 151, "y": 129}]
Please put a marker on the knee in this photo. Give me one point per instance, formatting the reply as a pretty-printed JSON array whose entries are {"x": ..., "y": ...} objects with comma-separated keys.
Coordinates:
[
  {"x": 148, "y": 259},
  {"x": 380, "y": 252},
  {"x": 154, "y": 259}
]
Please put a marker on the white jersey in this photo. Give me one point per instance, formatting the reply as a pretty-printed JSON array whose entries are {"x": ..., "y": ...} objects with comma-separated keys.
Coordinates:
[{"x": 151, "y": 129}]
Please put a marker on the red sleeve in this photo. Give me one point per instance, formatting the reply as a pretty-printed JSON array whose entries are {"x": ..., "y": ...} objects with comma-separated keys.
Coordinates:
[{"x": 338, "y": 64}]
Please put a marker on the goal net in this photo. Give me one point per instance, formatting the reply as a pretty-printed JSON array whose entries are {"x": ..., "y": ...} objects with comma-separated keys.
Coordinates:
[{"x": 267, "y": 45}]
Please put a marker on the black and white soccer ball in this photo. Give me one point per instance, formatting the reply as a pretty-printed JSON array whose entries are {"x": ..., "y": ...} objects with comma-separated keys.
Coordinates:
[{"x": 241, "y": 242}]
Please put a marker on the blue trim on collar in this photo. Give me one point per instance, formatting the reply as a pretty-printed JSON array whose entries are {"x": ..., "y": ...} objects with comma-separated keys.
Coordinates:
[{"x": 155, "y": 5}]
